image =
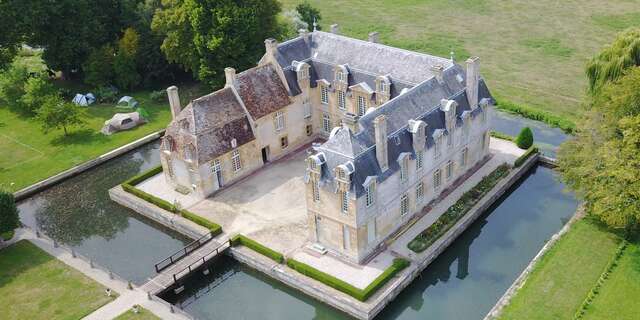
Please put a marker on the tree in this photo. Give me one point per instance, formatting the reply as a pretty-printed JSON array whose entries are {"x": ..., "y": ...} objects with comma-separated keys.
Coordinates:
[
  {"x": 12, "y": 86},
  {"x": 9, "y": 218},
  {"x": 524, "y": 140},
  {"x": 36, "y": 90},
  {"x": 124, "y": 64},
  {"x": 309, "y": 14},
  {"x": 98, "y": 67},
  {"x": 610, "y": 64},
  {"x": 13, "y": 22},
  {"x": 290, "y": 23},
  {"x": 55, "y": 113},
  {"x": 206, "y": 36}
]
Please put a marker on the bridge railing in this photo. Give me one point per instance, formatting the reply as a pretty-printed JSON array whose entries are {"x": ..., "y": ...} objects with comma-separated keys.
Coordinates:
[
  {"x": 176, "y": 256},
  {"x": 194, "y": 265}
]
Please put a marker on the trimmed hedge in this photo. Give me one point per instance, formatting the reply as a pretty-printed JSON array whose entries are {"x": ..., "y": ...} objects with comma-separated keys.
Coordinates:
[
  {"x": 521, "y": 159},
  {"x": 448, "y": 219},
  {"x": 257, "y": 247},
  {"x": 524, "y": 140},
  {"x": 340, "y": 285},
  {"x": 501, "y": 135},
  {"x": 149, "y": 198},
  {"x": 564, "y": 124},
  {"x": 215, "y": 228},
  {"x": 143, "y": 176}
]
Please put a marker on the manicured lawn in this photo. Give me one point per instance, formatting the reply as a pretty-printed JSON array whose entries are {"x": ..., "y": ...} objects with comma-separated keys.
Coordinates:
[
  {"x": 35, "y": 285},
  {"x": 532, "y": 52},
  {"x": 143, "y": 314},
  {"x": 618, "y": 297},
  {"x": 565, "y": 274}
]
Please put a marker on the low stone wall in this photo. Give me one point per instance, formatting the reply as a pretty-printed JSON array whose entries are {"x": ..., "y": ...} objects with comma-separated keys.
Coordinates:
[
  {"x": 46, "y": 183},
  {"x": 155, "y": 213}
]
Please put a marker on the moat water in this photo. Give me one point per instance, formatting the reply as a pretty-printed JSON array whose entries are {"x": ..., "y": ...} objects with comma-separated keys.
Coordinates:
[{"x": 463, "y": 283}]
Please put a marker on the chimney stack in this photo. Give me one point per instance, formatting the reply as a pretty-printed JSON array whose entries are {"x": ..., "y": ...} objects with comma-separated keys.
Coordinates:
[
  {"x": 473, "y": 77},
  {"x": 304, "y": 34},
  {"x": 174, "y": 101},
  {"x": 374, "y": 37},
  {"x": 230, "y": 76},
  {"x": 271, "y": 45},
  {"x": 335, "y": 29},
  {"x": 380, "y": 125},
  {"x": 438, "y": 71}
]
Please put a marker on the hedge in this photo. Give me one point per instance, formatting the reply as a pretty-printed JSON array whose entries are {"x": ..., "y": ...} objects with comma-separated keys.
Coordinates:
[
  {"x": 143, "y": 176},
  {"x": 257, "y": 247},
  {"x": 340, "y": 285},
  {"x": 454, "y": 213},
  {"x": 215, "y": 228},
  {"x": 564, "y": 124},
  {"x": 501, "y": 135},
  {"x": 521, "y": 159}
]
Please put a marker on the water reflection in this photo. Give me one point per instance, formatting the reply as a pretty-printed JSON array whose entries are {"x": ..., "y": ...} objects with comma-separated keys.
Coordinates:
[
  {"x": 79, "y": 213},
  {"x": 546, "y": 138}
]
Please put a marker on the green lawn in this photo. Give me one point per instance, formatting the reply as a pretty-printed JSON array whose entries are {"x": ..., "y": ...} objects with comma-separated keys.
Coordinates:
[
  {"x": 143, "y": 314},
  {"x": 564, "y": 275},
  {"x": 618, "y": 297},
  {"x": 35, "y": 285},
  {"x": 532, "y": 52}
]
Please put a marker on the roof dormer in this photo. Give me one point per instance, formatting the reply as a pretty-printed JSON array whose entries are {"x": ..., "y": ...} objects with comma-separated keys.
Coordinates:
[
  {"x": 341, "y": 77},
  {"x": 383, "y": 89},
  {"x": 302, "y": 70}
]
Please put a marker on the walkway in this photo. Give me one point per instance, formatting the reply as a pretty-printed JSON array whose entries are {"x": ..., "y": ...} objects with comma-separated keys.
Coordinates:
[{"x": 128, "y": 297}]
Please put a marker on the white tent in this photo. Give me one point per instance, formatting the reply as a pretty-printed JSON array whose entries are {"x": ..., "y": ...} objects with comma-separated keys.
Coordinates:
[
  {"x": 128, "y": 102},
  {"x": 84, "y": 99}
]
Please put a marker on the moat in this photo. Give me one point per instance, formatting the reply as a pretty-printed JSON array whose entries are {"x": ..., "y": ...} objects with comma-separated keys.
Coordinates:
[{"x": 463, "y": 283}]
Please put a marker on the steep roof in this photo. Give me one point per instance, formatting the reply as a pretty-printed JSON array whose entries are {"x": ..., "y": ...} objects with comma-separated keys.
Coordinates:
[{"x": 261, "y": 91}]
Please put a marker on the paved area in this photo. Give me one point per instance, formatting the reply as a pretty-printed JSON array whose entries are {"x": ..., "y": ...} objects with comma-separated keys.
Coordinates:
[{"x": 157, "y": 186}]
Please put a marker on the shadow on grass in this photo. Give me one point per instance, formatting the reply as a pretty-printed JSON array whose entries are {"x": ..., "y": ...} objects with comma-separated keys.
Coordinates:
[
  {"x": 19, "y": 258},
  {"x": 80, "y": 136}
]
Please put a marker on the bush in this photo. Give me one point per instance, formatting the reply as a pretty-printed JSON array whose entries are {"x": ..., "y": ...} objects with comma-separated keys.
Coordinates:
[
  {"x": 98, "y": 68},
  {"x": 525, "y": 138},
  {"x": 107, "y": 94},
  {"x": 257, "y": 247},
  {"x": 215, "y": 228},
  {"x": 521, "y": 159},
  {"x": 143, "y": 176},
  {"x": 157, "y": 96},
  {"x": 340, "y": 285},
  {"x": 501, "y": 135},
  {"x": 12, "y": 83},
  {"x": 9, "y": 218},
  {"x": 528, "y": 112},
  {"x": 36, "y": 90}
]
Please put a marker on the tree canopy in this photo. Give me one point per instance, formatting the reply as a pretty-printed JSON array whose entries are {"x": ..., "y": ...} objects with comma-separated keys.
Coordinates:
[
  {"x": 55, "y": 113},
  {"x": 205, "y": 36},
  {"x": 611, "y": 63},
  {"x": 309, "y": 14},
  {"x": 9, "y": 219}
]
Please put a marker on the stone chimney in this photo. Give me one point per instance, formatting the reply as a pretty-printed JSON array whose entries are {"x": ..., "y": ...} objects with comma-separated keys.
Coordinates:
[
  {"x": 230, "y": 76},
  {"x": 174, "y": 101},
  {"x": 438, "y": 71},
  {"x": 335, "y": 29},
  {"x": 304, "y": 34},
  {"x": 473, "y": 77},
  {"x": 374, "y": 37},
  {"x": 271, "y": 46},
  {"x": 350, "y": 120},
  {"x": 380, "y": 125}
]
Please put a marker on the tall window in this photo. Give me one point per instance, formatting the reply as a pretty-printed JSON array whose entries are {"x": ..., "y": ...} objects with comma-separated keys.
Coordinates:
[
  {"x": 437, "y": 178},
  {"x": 279, "y": 120},
  {"x": 341, "y": 100},
  {"x": 384, "y": 87},
  {"x": 419, "y": 192},
  {"x": 307, "y": 108},
  {"x": 216, "y": 168},
  {"x": 326, "y": 123},
  {"x": 370, "y": 191},
  {"x": 437, "y": 147},
  {"x": 324, "y": 94},
  {"x": 404, "y": 169},
  {"x": 464, "y": 157},
  {"x": 235, "y": 160},
  {"x": 404, "y": 205},
  {"x": 344, "y": 195},
  {"x": 449, "y": 170},
  {"x": 315, "y": 186},
  {"x": 362, "y": 105},
  {"x": 419, "y": 160},
  {"x": 340, "y": 76}
]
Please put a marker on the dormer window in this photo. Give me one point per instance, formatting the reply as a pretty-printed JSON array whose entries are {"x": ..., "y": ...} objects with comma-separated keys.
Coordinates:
[
  {"x": 303, "y": 73},
  {"x": 384, "y": 87},
  {"x": 340, "y": 76}
]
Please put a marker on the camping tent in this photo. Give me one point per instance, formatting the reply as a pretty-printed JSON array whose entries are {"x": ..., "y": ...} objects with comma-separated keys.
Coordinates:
[
  {"x": 127, "y": 102},
  {"x": 84, "y": 99},
  {"x": 122, "y": 121}
]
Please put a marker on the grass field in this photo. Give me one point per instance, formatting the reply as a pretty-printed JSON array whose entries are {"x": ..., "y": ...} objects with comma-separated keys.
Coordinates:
[
  {"x": 35, "y": 285},
  {"x": 143, "y": 314},
  {"x": 532, "y": 52},
  {"x": 562, "y": 278}
]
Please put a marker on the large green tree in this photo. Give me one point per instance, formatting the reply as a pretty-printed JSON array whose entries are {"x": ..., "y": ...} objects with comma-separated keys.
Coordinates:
[
  {"x": 12, "y": 29},
  {"x": 9, "y": 219},
  {"x": 55, "y": 113},
  {"x": 309, "y": 14},
  {"x": 611, "y": 62},
  {"x": 205, "y": 36}
]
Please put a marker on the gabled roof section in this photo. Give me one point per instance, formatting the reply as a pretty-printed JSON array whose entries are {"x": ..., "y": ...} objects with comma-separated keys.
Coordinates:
[
  {"x": 216, "y": 109},
  {"x": 261, "y": 91},
  {"x": 342, "y": 142}
]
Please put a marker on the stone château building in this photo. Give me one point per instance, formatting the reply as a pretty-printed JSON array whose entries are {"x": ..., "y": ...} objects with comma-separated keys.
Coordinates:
[{"x": 400, "y": 128}]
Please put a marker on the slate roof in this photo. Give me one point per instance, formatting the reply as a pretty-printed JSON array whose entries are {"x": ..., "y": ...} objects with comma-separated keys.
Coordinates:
[{"x": 262, "y": 91}]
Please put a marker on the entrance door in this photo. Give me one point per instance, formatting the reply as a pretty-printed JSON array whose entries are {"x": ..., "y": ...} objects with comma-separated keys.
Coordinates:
[{"x": 265, "y": 154}]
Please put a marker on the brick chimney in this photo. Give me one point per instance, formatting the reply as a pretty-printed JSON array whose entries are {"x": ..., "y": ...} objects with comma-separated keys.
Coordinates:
[
  {"x": 374, "y": 37},
  {"x": 230, "y": 76},
  {"x": 473, "y": 77},
  {"x": 380, "y": 125},
  {"x": 174, "y": 101}
]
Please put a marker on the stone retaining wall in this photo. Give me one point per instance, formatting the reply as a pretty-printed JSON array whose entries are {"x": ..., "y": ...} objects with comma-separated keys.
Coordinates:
[{"x": 46, "y": 183}]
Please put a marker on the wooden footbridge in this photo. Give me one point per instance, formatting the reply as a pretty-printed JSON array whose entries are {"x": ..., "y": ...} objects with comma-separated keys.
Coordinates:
[{"x": 180, "y": 264}]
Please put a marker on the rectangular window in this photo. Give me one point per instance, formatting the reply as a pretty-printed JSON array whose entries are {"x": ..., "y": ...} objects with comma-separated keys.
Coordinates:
[
  {"x": 404, "y": 205},
  {"x": 315, "y": 186},
  {"x": 235, "y": 160},
  {"x": 341, "y": 100},
  {"x": 437, "y": 147},
  {"x": 279, "y": 120},
  {"x": 370, "y": 191},
  {"x": 326, "y": 123},
  {"x": 449, "y": 170},
  {"x": 404, "y": 172},
  {"x": 215, "y": 166},
  {"x": 465, "y": 157},
  {"x": 284, "y": 142},
  {"x": 362, "y": 105},
  {"x": 437, "y": 178},
  {"x": 309, "y": 130},
  {"x": 419, "y": 192},
  {"x": 344, "y": 195},
  {"x": 307, "y": 109},
  {"x": 419, "y": 160},
  {"x": 324, "y": 94}
]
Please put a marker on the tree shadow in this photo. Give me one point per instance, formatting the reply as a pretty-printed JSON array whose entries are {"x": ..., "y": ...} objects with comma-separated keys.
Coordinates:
[
  {"x": 18, "y": 258},
  {"x": 81, "y": 136}
]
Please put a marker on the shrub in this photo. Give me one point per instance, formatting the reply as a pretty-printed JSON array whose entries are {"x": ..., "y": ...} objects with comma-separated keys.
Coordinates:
[
  {"x": 501, "y": 135},
  {"x": 157, "y": 96},
  {"x": 107, "y": 94},
  {"x": 257, "y": 247},
  {"x": 215, "y": 228},
  {"x": 521, "y": 159},
  {"x": 98, "y": 68},
  {"x": 144, "y": 176},
  {"x": 55, "y": 113},
  {"x": 525, "y": 138},
  {"x": 12, "y": 83},
  {"x": 340, "y": 285},
  {"x": 36, "y": 90},
  {"x": 9, "y": 218}
]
